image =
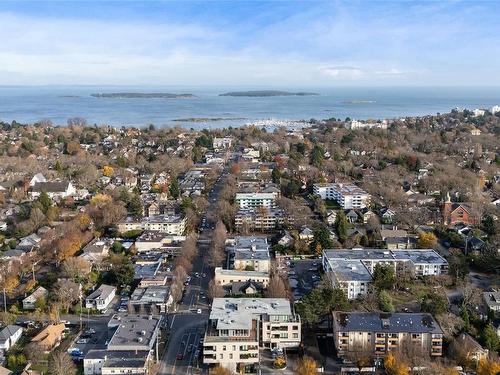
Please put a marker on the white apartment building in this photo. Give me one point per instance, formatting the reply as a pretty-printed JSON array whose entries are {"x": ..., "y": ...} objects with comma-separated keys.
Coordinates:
[
  {"x": 253, "y": 200},
  {"x": 348, "y": 196},
  {"x": 169, "y": 224},
  {"x": 238, "y": 327},
  {"x": 355, "y": 124},
  {"x": 225, "y": 277},
  {"x": 351, "y": 269},
  {"x": 495, "y": 109},
  {"x": 478, "y": 112}
]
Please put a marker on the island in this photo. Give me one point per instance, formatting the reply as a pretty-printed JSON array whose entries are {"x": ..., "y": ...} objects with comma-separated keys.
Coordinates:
[
  {"x": 141, "y": 95},
  {"x": 266, "y": 93}
]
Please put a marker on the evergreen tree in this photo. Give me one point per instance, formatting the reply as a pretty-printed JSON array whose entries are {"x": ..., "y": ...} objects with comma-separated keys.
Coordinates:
[{"x": 174, "y": 189}]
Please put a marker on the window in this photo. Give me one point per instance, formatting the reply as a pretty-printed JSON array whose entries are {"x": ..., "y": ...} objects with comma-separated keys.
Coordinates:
[
  {"x": 224, "y": 347},
  {"x": 221, "y": 356},
  {"x": 295, "y": 335},
  {"x": 295, "y": 328},
  {"x": 230, "y": 355}
]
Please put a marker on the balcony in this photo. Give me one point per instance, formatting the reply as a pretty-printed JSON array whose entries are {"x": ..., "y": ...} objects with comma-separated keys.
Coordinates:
[{"x": 212, "y": 335}]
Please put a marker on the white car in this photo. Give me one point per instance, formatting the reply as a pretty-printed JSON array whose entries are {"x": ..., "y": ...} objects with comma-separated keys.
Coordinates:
[{"x": 198, "y": 311}]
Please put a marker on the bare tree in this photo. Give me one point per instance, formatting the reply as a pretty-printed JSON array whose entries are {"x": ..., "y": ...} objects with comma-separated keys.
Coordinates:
[
  {"x": 60, "y": 363},
  {"x": 276, "y": 287},
  {"x": 66, "y": 292},
  {"x": 215, "y": 290},
  {"x": 76, "y": 268}
]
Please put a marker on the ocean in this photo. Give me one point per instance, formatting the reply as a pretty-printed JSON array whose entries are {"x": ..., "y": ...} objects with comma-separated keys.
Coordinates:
[{"x": 209, "y": 110}]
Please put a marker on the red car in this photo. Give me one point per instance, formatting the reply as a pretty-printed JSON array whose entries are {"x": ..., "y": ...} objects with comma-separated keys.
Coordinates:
[{"x": 179, "y": 356}]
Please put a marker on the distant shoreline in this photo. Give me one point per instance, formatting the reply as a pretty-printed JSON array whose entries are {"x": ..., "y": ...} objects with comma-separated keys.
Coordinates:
[
  {"x": 267, "y": 93},
  {"x": 141, "y": 95}
]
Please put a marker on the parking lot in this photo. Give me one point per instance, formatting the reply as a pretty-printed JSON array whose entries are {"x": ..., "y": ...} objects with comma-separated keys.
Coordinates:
[
  {"x": 94, "y": 336},
  {"x": 303, "y": 275}
]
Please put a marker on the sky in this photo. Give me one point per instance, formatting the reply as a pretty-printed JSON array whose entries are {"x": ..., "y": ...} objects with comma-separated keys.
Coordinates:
[{"x": 255, "y": 43}]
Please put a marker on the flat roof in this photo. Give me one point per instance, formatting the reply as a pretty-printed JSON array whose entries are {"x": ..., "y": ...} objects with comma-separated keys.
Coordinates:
[
  {"x": 134, "y": 332},
  {"x": 350, "y": 270},
  {"x": 249, "y": 274},
  {"x": 238, "y": 313},
  {"x": 150, "y": 294},
  {"x": 385, "y": 322},
  {"x": 417, "y": 256}
]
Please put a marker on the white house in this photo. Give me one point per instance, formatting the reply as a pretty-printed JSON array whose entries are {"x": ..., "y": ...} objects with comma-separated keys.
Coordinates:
[
  {"x": 29, "y": 303},
  {"x": 9, "y": 336},
  {"x": 55, "y": 190},
  {"x": 100, "y": 298}
]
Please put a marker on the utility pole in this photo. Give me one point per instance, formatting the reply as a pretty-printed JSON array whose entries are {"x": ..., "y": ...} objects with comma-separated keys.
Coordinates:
[{"x": 4, "y": 301}]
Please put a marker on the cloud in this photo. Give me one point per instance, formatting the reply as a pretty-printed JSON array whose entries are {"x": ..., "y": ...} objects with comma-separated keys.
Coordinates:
[{"x": 342, "y": 71}]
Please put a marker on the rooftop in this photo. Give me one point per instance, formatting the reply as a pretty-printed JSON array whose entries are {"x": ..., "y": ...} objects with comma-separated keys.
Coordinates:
[
  {"x": 151, "y": 294},
  {"x": 134, "y": 332},
  {"x": 386, "y": 322},
  {"x": 347, "y": 269}
]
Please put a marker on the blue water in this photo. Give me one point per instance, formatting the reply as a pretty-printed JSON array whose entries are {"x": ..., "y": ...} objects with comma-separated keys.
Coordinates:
[{"x": 58, "y": 103}]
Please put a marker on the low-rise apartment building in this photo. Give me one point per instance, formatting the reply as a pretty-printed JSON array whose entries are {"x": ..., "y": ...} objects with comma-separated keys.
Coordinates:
[
  {"x": 259, "y": 219},
  {"x": 169, "y": 224},
  {"x": 348, "y": 196},
  {"x": 238, "y": 327},
  {"x": 376, "y": 334},
  {"x": 225, "y": 277},
  {"x": 258, "y": 199},
  {"x": 250, "y": 253},
  {"x": 351, "y": 269}
]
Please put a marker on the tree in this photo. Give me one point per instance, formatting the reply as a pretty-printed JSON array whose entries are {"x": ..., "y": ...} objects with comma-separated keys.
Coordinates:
[
  {"x": 45, "y": 201},
  {"x": 427, "y": 240},
  {"x": 66, "y": 292},
  {"x": 321, "y": 238},
  {"x": 34, "y": 352},
  {"x": 10, "y": 283},
  {"x": 276, "y": 287},
  {"x": 215, "y": 290},
  {"x": 434, "y": 303},
  {"x": 488, "y": 367},
  {"x": 341, "y": 225},
  {"x": 306, "y": 366},
  {"x": 384, "y": 277},
  {"x": 76, "y": 268},
  {"x": 60, "y": 363},
  {"x": 108, "y": 171},
  {"x": 385, "y": 301},
  {"x": 490, "y": 338},
  {"x": 317, "y": 156},
  {"x": 322, "y": 301},
  {"x": 121, "y": 270},
  {"x": 219, "y": 370},
  {"x": 174, "y": 189},
  {"x": 135, "y": 207}
]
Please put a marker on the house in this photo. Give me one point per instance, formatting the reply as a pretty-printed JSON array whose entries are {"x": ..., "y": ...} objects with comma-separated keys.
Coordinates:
[
  {"x": 29, "y": 303},
  {"x": 331, "y": 217},
  {"x": 306, "y": 234},
  {"x": 239, "y": 327},
  {"x": 56, "y": 190},
  {"x": 247, "y": 288},
  {"x": 454, "y": 213},
  {"x": 9, "y": 336},
  {"x": 367, "y": 214},
  {"x": 222, "y": 143},
  {"x": 286, "y": 240},
  {"x": 387, "y": 215},
  {"x": 96, "y": 251},
  {"x": 50, "y": 336},
  {"x": 492, "y": 300},
  {"x": 100, "y": 298},
  {"x": 379, "y": 333},
  {"x": 473, "y": 350},
  {"x": 351, "y": 216},
  {"x": 475, "y": 131},
  {"x": 38, "y": 178},
  {"x": 108, "y": 362}
]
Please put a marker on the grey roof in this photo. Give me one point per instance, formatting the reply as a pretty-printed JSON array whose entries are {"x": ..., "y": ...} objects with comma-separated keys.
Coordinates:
[
  {"x": 385, "y": 322},
  {"x": 249, "y": 247},
  {"x": 8, "y": 332},
  {"x": 51, "y": 186},
  {"x": 238, "y": 313},
  {"x": 120, "y": 358},
  {"x": 348, "y": 269},
  {"x": 102, "y": 292},
  {"x": 134, "y": 332},
  {"x": 151, "y": 294},
  {"x": 146, "y": 270},
  {"x": 417, "y": 256},
  {"x": 420, "y": 256}
]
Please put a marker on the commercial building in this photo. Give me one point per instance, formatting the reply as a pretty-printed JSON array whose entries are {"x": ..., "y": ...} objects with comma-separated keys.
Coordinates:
[
  {"x": 377, "y": 334},
  {"x": 238, "y": 328},
  {"x": 154, "y": 295},
  {"x": 249, "y": 253},
  {"x": 131, "y": 348},
  {"x": 258, "y": 199},
  {"x": 169, "y": 224},
  {"x": 351, "y": 269},
  {"x": 348, "y": 196}
]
